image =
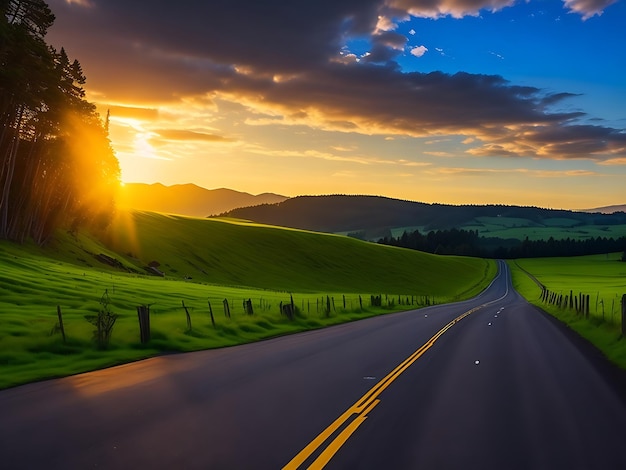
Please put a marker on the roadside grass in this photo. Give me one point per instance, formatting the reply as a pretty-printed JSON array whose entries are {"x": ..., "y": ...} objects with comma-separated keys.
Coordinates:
[
  {"x": 602, "y": 277},
  {"x": 316, "y": 270}
]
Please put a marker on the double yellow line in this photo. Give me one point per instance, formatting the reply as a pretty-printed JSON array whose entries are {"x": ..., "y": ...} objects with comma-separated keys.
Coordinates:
[{"x": 358, "y": 412}]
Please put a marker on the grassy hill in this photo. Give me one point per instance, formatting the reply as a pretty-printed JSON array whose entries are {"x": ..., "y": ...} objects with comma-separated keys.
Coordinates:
[
  {"x": 375, "y": 217},
  {"x": 205, "y": 263}
]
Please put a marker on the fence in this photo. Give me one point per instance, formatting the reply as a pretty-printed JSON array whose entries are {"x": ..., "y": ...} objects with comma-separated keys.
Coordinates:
[{"x": 580, "y": 304}]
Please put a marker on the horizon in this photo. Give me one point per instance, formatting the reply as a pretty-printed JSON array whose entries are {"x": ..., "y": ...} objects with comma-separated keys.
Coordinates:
[
  {"x": 449, "y": 103},
  {"x": 363, "y": 195}
]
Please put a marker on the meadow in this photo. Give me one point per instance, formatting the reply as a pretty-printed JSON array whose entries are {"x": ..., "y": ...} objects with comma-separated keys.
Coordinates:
[
  {"x": 206, "y": 262},
  {"x": 520, "y": 229},
  {"x": 602, "y": 277}
]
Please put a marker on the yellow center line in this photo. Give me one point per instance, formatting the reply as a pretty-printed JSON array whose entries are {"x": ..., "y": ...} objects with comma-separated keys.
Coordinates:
[{"x": 357, "y": 413}]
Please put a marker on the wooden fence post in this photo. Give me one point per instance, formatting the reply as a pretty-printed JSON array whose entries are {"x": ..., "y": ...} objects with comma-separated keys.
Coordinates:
[
  {"x": 226, "y": 308},
  {"x": 188, "y": 316},
  {"x": 211, "y": 312},
  {"x": 143, "y": 313},
  {"x": 61, "y": 322},
  {"x": 624, "y": 315}
]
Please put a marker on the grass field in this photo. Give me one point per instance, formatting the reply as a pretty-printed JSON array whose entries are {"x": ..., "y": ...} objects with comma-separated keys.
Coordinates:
[
  {"x": 520, "y": 229},
  {"x": 602, "y": 277},
  {"x": 204, "y": 261}
]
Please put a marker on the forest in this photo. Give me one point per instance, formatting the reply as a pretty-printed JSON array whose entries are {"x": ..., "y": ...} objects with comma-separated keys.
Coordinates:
[
  {"x": 469, "y": 243},
  {"x": 57, "y": 166}
]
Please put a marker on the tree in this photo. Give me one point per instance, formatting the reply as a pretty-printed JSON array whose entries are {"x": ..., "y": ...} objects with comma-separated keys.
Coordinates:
[{"x": 56, "y": 163}]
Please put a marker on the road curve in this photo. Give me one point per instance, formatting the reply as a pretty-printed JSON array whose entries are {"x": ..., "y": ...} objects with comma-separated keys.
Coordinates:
[{"x": 490, "y": 383}]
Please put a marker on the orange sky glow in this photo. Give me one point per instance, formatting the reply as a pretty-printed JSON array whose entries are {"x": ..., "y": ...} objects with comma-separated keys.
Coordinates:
[{"x": 324, "y": 119}]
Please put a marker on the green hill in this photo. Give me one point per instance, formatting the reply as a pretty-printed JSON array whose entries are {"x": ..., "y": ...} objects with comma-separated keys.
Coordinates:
[
  {"x": 239, "y": 253},
  {"x": 375, "y": 217},
  {"x": 206, "y": 263}
]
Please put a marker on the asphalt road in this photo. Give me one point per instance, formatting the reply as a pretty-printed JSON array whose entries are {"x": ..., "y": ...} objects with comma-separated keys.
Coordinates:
[{"x": 503, "y": 387}]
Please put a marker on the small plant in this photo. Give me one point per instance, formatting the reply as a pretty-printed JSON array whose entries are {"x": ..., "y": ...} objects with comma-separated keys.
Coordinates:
[{"x": 103, "y": 321}]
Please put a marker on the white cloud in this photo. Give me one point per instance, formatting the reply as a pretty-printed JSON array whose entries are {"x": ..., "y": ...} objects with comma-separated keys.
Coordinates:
[
  {"x": 385, "y": 24},
  {"x": 587, "y": 8},
  {"x": 412, "y": 32},
  {"x": 419, "y": 51}
]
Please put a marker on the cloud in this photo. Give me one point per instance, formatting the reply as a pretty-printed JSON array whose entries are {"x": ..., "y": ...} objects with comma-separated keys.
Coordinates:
[
  {"x": 419, "y": 51},
  {"x": 286, "y": 62},
  {"x": 385, "y": 46},
  {"x": 132, "y": 112},
  {"x": 82, "y": 3},
  {"x": 187, "y": 135},
  {"x": 614, "y": 161},
  {"x": 453, "y": 8},
  {"x": 588, "y": 8},
  {"x": 455, "y": 171},
  {"x": 556, "y": 141},
  {"x": 439, "y": 154}
]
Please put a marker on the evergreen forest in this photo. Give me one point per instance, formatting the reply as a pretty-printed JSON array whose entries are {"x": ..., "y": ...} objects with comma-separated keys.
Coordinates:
[{"x": 57, "y": 166}]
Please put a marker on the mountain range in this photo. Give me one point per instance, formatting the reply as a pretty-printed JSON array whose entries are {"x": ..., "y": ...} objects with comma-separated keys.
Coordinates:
[{"x": 189, "y": 199}]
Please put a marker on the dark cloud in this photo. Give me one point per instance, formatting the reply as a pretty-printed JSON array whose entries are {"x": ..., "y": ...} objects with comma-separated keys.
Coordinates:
[
  {"x": 557, "y": 142},
  {"x": 283, "y": 55},
  {"x": 385, "y": 46},
  {"x": 274, "y": 35}
]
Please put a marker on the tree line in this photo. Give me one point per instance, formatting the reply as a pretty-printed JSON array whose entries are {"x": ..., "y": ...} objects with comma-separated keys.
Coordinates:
[
  {"x": 469, "y": 243},
  {"x": 57, "y": 166}
]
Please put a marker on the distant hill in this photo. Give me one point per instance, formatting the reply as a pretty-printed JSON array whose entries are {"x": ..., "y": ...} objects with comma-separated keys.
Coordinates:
[
  {"x": 189, "y": 199},
  {"x": 608, "y": 209},
  {"x": 374, "y": 217}
]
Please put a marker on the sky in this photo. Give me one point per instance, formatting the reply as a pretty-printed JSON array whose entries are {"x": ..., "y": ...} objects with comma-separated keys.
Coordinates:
[{"x": 442, "y": 101}]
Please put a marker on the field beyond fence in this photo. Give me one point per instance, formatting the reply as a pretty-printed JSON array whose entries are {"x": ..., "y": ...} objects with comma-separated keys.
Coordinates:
[{"x": 588, "y": 293}]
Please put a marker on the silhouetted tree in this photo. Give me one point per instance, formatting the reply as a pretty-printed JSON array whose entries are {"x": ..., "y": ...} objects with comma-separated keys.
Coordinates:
[{"x": 56, "y": 163}]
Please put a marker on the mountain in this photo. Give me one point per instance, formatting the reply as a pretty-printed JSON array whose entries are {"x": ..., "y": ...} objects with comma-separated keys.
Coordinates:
[
  {"x": 189, "y": 199},
  {"x": 374, "y": 217},
  {"x": 608, "y": 209}
]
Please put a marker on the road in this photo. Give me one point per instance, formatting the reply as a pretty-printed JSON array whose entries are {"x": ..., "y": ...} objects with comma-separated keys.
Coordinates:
[{"x": 490, "y": 383}]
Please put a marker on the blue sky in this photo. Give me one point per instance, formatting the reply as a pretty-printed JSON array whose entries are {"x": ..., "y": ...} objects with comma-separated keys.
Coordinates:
[{"x": 450, "y": 101}]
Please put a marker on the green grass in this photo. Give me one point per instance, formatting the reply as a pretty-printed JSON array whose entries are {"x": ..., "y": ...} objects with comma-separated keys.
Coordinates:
[
  {"x": 559, "y": 229},
  {"x": 520, "y": 229},
  {"x": 602, "y": 277},
  {"x": 230, "y": 260}
]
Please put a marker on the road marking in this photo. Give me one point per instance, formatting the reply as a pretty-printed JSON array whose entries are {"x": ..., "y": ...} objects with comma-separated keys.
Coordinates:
[{"x": 357, "y": 413}]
